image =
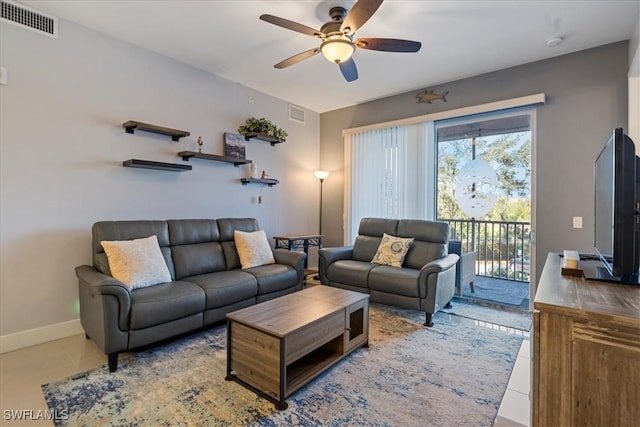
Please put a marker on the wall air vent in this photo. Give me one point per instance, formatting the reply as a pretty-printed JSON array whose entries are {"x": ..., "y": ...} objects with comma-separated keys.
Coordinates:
[
  {"x": 29, "y": 18},
  {"x": 296, "y": 114}
]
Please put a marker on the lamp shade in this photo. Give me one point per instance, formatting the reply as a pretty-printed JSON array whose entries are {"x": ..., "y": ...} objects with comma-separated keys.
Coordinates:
[
  {"x": 337, "y": 50},
  {"x": 321, "y": 175}
]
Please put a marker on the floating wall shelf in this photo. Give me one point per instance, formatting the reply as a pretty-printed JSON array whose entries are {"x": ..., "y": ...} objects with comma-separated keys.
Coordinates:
[
  {"x": 270, "y": 182},
  {"x": 175, "y": 134},
  {"x": 148, "y": 164},
  {"x": 263, "y": 137},
  {"x": 186, "y": 155}
]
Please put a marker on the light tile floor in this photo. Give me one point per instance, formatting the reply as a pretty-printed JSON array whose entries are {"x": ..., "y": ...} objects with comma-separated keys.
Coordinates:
[
  {"x": 22, "y": 372},
  {"x": 515, "y": 407}
]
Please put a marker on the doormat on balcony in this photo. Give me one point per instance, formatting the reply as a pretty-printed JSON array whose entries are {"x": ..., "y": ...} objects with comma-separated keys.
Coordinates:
[
  {"x": 508, "y": 319},
  {"x": 498, "y": 290},
  {"x": 454, "y": 373}
]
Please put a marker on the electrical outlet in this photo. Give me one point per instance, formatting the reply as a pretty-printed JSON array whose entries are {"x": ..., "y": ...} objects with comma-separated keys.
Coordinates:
[
  {"x": 577, "y": 222},
  {"x": 3, "y": 75}
]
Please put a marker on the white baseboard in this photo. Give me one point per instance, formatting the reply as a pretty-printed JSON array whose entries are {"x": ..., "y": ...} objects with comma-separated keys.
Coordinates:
[{"x": 41, "y": 335}]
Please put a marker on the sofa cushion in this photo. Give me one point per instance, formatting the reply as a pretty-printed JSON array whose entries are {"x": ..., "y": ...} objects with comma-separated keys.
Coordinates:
[
  {"x": 392, "y": 250},
  {"x": 223, "y": 288},
  {"x": 370, "y": 234},
  {"x": 201, "y": 258},
  {"x": 350, "y": 272},
  {"x": 227, "y": 226},
  {"x": 137, "y": 263},
  {"x": 128, "y": 230},
  {"x": 431, "y": 241},
  {"x": 377, "y": 226},
  {"x": 399, "y": 281},
  {"x": 274, "y": 277},
  {"x": 192, "y": 231},
  {"x": 253, "y": 248},
  {"x": 365, "y": 248},
  {"x": 163, "y": 303}
]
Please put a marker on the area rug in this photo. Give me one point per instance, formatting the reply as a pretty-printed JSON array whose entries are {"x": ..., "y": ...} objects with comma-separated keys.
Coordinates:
[
  {"x": 506, "y": 318},
  {"x": 451, "y": 374}
]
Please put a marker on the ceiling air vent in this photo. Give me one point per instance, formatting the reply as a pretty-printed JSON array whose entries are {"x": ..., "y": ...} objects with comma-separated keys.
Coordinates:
[
  {"x": 29, "y": 18},
  {"x": 296, "y": 114}
]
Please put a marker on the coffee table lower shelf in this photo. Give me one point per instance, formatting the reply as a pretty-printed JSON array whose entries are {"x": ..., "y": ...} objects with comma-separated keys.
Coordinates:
[
  {"x": 277, "y": 347},
  {"x": 299, "y": 373}
]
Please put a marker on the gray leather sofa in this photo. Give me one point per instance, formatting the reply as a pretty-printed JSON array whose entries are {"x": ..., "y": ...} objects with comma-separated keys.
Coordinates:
[
  {"x": 426, "y": 280},
  {"x": 207, "y": 282}
]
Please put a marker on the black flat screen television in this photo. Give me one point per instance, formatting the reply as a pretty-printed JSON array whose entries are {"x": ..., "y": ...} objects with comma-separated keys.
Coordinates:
[{"x": 616, "y": 211}]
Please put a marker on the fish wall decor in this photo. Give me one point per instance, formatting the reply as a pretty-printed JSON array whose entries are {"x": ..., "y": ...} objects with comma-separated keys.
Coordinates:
[{"x": 429, "y": 95}]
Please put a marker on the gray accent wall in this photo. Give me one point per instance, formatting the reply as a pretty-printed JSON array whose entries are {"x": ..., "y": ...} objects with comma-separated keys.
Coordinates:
[
  {"x": 586, "y": 99},
  {"x": 62, "y": 145}
]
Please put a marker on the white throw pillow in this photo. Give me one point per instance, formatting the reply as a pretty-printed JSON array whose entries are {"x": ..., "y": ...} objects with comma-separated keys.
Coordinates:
[
  {"x": 253, "y": 248},
  {"x": 137, "y": 263},
  {"x": 392, "y": 250}
]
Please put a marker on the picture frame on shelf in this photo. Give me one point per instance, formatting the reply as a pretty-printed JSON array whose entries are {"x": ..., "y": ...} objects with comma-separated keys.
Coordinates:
[{"x": 234, "y": 145}]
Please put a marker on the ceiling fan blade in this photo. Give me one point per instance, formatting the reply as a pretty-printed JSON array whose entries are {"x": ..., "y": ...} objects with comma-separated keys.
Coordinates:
[
  {"x": 297, "y": 58},
  {"x": 290, "y": 25},
  {"x": 349, "y": 70},
  {"x": 359, "y": 14},
  {"x": 389, "y": 45}
]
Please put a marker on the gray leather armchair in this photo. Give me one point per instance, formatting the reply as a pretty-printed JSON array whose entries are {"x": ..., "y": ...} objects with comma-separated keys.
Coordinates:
[{"x": 426, "y": 280}]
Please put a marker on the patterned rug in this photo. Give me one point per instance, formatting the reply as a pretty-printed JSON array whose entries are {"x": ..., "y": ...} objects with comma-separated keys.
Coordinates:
[{"x": 452, "y": 374}]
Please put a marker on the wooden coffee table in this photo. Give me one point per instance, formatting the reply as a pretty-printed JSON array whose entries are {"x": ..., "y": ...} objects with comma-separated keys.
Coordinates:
[{"x": 278, "y": 346}]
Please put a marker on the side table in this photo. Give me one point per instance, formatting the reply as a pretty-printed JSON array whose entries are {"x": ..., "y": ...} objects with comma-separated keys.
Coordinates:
[{"x": 304, "y": 241}]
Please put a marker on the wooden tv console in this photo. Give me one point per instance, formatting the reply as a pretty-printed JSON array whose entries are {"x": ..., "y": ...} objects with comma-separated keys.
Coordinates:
[
  {"x": 276, "y": 347},
  {"x": 586, "y": 351}
]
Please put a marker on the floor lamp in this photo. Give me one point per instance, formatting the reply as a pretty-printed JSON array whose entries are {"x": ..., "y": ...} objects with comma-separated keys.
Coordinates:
[{"x": 321, "y": 175}]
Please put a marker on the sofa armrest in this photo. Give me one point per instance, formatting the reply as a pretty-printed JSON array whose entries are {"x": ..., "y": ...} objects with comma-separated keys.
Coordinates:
[
  {"x": 327, "y": 256},
  {"x": 293, "y": 258},
  {"x": 437, "y": 282},
  {"x": 331, "y": 255},
  {"x": 440, "y": 264},
  {"x": 105, "y": 306},
  {"x": 94, "y": 283}
]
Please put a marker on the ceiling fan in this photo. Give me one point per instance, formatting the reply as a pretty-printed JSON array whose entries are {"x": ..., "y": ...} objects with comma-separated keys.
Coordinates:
[{"x": 337, "y": 35}]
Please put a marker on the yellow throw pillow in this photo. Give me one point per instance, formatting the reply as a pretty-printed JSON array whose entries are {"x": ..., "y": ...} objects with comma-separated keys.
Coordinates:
[
  {"x": 392, "y": 250},
  {"x": 137, "y": 263},
  {"x": 253, "y": 248}
]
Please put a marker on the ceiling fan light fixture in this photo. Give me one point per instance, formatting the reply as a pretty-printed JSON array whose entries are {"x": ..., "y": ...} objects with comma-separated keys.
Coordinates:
[{"x": 337, "y": 50}]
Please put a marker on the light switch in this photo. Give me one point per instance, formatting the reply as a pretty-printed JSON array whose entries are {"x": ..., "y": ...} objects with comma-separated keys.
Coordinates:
[
  {"x": 577, "y": 222},
  {"x": 3, "y": 75}
]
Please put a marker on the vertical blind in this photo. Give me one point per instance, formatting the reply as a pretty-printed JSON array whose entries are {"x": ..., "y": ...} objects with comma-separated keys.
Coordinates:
[{"x": 390, "y": 174}]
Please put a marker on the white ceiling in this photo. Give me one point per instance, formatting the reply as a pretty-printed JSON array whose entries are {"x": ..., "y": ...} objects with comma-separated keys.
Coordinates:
[{"x": 459, "y": 39}]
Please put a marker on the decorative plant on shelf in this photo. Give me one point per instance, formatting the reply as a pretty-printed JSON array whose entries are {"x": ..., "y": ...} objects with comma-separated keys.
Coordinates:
[{"x": 262, "y": 126}]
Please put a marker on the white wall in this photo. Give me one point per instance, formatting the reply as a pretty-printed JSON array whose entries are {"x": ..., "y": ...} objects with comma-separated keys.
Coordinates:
[{"x": 62, "y": 145}]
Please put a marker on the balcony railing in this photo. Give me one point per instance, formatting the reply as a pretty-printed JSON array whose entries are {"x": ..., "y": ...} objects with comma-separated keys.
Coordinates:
[{"x": 501, "y": 247}]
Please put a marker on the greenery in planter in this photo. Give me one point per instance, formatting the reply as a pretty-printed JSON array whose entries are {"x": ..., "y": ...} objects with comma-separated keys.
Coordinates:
[{"x": 262, "y": 125}]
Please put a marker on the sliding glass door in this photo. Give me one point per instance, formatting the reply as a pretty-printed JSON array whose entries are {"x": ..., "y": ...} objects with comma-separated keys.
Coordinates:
[{"x": 484, "y": 192}]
